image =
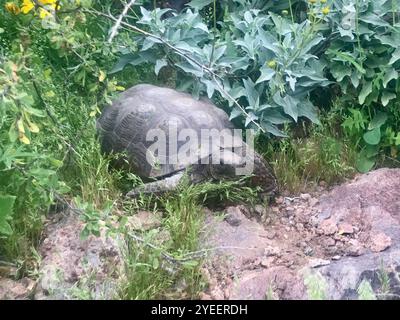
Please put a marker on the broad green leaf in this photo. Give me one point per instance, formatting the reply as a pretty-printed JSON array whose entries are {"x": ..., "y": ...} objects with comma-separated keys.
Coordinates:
[
  {"x": 365, "y": 92},
  {"x": 266, "y": 74},
  {"x": 364, "y": 164},
  {"x": 159, "y": 65},
  {"x": 250, "y": 118},
  {"x": 386, "y": 97},
  {"x": 391, "y": 74},
  {"x": 196, "y": 70},
  {"x": 289, "y": 105},
  {"x": 346, "y": 57},
  {"x": 395, "y": 56},
  {"x": 370, "y": 151},
  {"x": 236, "y": 112},
  {"x": 199, "y": 4},
  {"x": 373, "y": 137},
  {"x": 251, "y": 93},
  {"x": 378, "y": 121},
  {"x": 6, "y": 210},
  {"x": 269, "y": 127},
  {"x": 308, "y": 110}
]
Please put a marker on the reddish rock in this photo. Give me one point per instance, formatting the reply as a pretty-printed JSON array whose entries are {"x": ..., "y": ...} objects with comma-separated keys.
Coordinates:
[
  {"x": 305, "y": 196},
  {"x": 345, "y": 228},
  {"x": 380, "y": 242},
  {"x": 355, "y": 248},
  {"x": 328, "y": 227}
]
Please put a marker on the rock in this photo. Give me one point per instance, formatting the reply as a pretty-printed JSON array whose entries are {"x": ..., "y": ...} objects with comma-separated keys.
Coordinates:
[
  {"x": 328, "y": 227},
  {"x": 328, "y": 242},
  {"x": 317, "y": 262},
  {"x": 233, "y": 216},
  {"x": 355, "y": 248},
  {"x": 267, "y": 262},
  {"x": 217, "y": 294},
  {"x": 271, "y": 235},
  {"x": 144, "y": 221},
  {"x": 16, "y": 289},
  {"x": 289, "y": 210},
  {"x": 371, "y": 205},
  {"x": 313, "y": 202},
  {"x": 162, "y": 237},
  {"x": 275, "y": 210},
  {"x": 259, "y": 210},
  {"x": 345, "y": 228},
  {"x": 68, "y": 260},
  {"x": 324, "y": 215},
  {"x": 305, "y": 196},
  {"x": 271, "y": 251},
  {"x": 380, "y": 242},
  {"x": 204, "y": 296},
  {"x": 255, "y": 285},
  {"x": 342, "y": 223},
  {"x": 308, "y": 251}
]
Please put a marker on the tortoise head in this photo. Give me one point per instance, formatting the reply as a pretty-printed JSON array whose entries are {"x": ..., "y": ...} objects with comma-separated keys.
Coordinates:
[
  {"x": 264, "y": 177},
  {"x": 261, "y": 174}
]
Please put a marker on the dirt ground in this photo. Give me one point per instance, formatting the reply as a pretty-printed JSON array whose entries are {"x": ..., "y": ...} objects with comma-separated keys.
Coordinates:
[{"x": 330, "y": 239}]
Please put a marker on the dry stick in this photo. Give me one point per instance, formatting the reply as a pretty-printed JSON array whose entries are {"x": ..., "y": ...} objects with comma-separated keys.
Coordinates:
[
  {"x": 183, "y": 54},
  {"x": 115, "y": 28}
]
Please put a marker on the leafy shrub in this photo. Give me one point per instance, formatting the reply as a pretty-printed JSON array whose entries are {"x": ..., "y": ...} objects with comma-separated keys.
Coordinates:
[
  {"x": 264, "y": 60},
  {"x": 261, "y": 63},
  {"x": 53, "y": 80},
  {"x": 364, "y": 57}
]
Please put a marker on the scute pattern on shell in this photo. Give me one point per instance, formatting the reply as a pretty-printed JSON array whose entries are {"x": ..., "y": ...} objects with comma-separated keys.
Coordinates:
[{"x": 124, "y": 124}]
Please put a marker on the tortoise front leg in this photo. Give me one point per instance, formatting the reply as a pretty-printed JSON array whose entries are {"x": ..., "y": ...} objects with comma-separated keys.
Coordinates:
[{"x": 158, "y": 187}]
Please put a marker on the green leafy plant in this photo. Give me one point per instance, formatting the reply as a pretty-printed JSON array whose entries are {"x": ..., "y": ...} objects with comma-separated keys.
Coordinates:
[
  {"x": 365, "y": 291},
  {"x": 261, "y": 63},
  {"x": 6, "y": 209},
  {"x": 364, "y": 60}
]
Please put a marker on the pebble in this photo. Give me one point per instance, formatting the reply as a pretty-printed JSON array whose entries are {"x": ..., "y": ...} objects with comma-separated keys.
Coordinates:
[
  {"x": 345, "y": 228},
  {"x": 328, "y": 227},
  {"x": 355, "y": 249},
  {"x": 317, "y": 262},
  {"x": 305, "y": 196}
]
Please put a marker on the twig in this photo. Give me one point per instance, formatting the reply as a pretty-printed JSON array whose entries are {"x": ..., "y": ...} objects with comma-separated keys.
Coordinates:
[{"x": 115, "y": 28}]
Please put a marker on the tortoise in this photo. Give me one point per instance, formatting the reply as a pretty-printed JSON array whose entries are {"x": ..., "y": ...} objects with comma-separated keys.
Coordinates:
[{"x": 126, "y": 125}]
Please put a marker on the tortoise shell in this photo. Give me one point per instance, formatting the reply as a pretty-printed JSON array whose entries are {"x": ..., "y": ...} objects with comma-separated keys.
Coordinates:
[{"x": 125, "y": 124}]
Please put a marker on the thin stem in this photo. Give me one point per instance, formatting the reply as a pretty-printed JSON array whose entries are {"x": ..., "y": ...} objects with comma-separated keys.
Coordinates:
[
  {"x": 114, "y": 29},
  {"x": 215, "y": 32},
  {"x": 291, "y": 10}
]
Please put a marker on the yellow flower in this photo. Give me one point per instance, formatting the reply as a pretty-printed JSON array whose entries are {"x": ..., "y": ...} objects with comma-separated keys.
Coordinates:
[
  {"x": 285, "y": 12},
  {"x": 324, "y": 1},
  {"x": 272, "y": 64},
  {"x": 44, "y": 2},
  {"x": 326, "y": 10},
  {"x": 27, "y": 6},
  {"x": 43, "y": 13},
  {"x": 12, "y": 8}
]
